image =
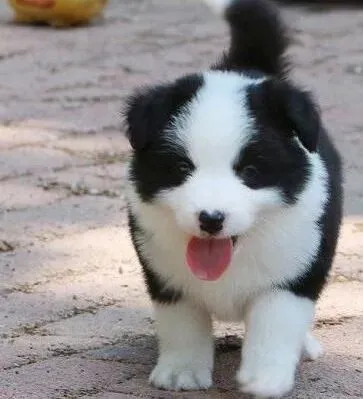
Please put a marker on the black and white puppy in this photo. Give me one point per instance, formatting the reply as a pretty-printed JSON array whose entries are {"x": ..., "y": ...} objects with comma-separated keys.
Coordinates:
[{"x": 234, "y": 193}]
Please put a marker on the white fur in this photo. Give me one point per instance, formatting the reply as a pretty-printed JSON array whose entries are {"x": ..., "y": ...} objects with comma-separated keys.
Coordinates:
[
  {"x": 276, "y": 325},
  {"x": 275, "y": 245},
  {"x": 186, "y": 347},
  {"x": 312, "y": 348}
]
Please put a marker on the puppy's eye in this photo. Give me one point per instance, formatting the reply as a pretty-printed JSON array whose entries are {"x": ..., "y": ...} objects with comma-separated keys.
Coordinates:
[
  {"x": 250, "y": 172},
  {"x": 250, "y": 175},
  {"x": 185, "y": 167}
]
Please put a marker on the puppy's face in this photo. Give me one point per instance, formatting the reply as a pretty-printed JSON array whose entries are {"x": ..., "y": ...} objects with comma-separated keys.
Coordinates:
[{"x": 221, "y": 149}]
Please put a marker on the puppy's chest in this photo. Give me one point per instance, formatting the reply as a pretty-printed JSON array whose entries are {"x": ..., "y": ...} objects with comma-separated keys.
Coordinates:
[
  {"x": 224, "y": 298},
  {"x": 258, "y": 264}
]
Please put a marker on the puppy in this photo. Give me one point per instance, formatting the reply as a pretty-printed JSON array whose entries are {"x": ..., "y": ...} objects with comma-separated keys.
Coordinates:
[{"x": 234, "y": 195}]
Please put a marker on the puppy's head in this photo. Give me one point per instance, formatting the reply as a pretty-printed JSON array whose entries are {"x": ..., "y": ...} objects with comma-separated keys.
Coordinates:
[{"x": 220, "y": 149}]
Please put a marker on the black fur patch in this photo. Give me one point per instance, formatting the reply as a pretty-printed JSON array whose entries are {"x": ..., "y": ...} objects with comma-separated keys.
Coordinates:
[
  {"x": 160, "y": 167},
  {"x": 287, "y": 109},
  {"x": 148, "y": 111},
  {"x": 258, "y": 38},
  {"x": 273, "y": 158},
  {"x": 271, "y": 162},
  {"x": 159, "y": 161}
]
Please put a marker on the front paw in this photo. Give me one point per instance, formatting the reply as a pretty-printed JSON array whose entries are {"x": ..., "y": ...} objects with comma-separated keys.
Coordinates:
[
  {"x": 178, "y": 372},
  {"x": 266, "y": 382}
]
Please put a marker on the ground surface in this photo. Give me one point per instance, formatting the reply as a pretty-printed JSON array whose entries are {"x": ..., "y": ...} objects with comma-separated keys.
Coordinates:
[{"x": 74, "y": 318}]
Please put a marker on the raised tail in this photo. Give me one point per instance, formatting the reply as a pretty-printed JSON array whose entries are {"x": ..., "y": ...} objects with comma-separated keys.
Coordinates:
[{"x": 258, "y": 36}]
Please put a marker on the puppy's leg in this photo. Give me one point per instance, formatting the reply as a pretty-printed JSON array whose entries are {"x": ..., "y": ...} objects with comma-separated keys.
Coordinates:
[
  {"x": 276, "y": 327},
  {"x": 186, "y": 347}
]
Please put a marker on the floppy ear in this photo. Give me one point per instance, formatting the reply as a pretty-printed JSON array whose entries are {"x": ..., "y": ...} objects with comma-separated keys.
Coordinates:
[
  {"x": 290, "y": 110},
  {"x": 150, "y": 110},
  {"x": 304, "y": 117},
  {"x": 145, "y": 116}
]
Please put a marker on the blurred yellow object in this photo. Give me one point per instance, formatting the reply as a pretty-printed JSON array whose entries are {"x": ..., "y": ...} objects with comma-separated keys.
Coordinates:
[{"x": 57, "y": 12}]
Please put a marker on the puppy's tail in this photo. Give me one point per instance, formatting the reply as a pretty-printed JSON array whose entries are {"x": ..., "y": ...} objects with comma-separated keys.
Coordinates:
[{"x": 258, "y": 36}]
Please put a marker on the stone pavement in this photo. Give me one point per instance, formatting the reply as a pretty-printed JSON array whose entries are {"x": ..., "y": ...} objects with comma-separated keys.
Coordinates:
[{"x": 74, "y": 318}]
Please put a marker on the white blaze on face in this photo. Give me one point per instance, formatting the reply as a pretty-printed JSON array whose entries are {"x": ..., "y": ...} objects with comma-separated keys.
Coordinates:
[
  {"x": 219, "y": 123},
  {"x": 214, "y": 129}
]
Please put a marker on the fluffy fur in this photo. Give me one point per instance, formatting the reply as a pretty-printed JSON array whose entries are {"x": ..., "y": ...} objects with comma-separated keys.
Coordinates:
[{"x": 242, "y": 140}]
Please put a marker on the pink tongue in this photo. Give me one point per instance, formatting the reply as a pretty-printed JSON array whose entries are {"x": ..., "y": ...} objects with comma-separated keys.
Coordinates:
[{"x": 209, "y": 258}]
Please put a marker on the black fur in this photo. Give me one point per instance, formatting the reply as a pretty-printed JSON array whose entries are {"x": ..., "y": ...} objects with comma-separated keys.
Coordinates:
[
  {"x": 159, "y": 167},
  {"x": 156, "y": 164},
  {"x": 149, "y": 111},
  {"x": 269, "y": 161},
  {"x": 282, "y": 113},
  {"x": 258, "y": 39},
  {"x": 291, "y": 111}
]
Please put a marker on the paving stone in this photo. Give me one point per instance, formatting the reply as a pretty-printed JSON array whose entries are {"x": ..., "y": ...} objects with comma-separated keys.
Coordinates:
[
  {"x": 106, "y": 180},
  {"x": 111, "y": 395},
  {"x": 35, "y": 345},
  {"x": 108, "y": 247},
  {"x": 349, "y": 258},
  {"x": 69, "y": 216},
  {"x": 26, "y": 193},
  {"x": 59, "y": 377},
  {"x": 340, "y": 301},
  {"x": 99, "y": 143},
  {"x": 33, "y": 160},
  {"x": 13, "y": 137}
]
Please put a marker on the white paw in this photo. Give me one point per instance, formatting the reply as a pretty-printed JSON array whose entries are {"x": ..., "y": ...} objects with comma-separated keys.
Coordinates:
[
  {"x": 312, "y": 348},
  {"x": 175, "y": 373},
  {"x": 269, "y": 382}
]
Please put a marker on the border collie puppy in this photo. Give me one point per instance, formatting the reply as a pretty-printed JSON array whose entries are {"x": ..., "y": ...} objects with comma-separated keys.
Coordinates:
[{"x": 234, "y": 195}]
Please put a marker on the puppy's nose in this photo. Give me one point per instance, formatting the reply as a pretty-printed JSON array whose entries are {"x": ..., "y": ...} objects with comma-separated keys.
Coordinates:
[{"x": 211, "y": 222}]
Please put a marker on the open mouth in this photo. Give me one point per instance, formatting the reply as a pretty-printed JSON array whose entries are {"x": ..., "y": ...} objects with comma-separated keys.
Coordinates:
[{"x": 209, "y": 258}]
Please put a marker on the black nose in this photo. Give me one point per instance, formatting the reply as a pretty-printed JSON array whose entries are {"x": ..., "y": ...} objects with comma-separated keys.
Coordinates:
[{"x": 211, "y": 223}]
